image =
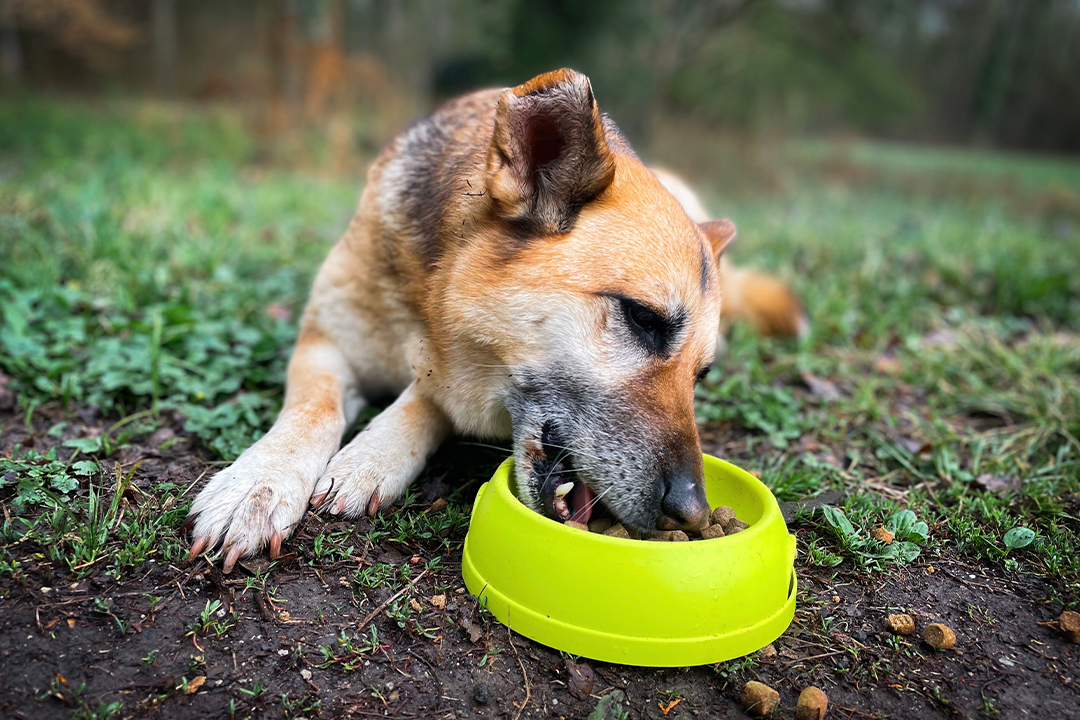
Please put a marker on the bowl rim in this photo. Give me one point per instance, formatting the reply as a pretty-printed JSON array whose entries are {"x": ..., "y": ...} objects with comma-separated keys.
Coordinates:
[{"x": 504, "y": 475}]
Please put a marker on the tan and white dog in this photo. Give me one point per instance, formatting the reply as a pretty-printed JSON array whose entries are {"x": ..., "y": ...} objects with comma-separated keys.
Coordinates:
[{"x": 513, "y": 271}]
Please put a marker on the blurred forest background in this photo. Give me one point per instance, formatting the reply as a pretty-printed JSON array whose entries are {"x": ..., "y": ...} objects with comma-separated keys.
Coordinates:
[{"x": 992, "y": 73}]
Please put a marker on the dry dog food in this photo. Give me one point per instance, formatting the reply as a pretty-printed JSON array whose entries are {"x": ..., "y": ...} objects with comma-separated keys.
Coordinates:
[
  {"x": 900, "y": 624},
  {"x": 812, "y": 704},
  {"x": 1069, "y": 625},
  {"x": 938, "y": 636},
  {"x": 759, "y": 698},
  {"x": 883, "y": 535},
  {"x": 722, "y": 522}
]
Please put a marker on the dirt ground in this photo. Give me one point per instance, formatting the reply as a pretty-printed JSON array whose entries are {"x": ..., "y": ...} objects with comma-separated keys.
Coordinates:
[{"x": 1008, "y": 661}]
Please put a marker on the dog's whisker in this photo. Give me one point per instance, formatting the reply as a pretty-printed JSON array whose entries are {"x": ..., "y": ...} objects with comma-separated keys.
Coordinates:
[
  {"x": 576, "y": 451},
  {"x": 485, "y": 445}
]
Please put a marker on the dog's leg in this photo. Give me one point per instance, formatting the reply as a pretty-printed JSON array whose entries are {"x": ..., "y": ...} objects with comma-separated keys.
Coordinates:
[
  {"x": 259, "y": 499},
  {"x": 383, "y": 460}
]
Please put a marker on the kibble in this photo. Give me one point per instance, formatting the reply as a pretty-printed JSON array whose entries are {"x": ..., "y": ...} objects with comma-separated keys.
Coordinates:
[
  {"x": 1069, "y": 625},
  {"x": 617, "y": 530},
  {"x": 900, "y": 624},
  {"x": 722, "y": 522},
  {"x": 669, "y": 536},
  {"x": 759, "y": 698},
  {"x": 735, "y": 526},
  {"x": 722, "y": 515},
  {"x": 883, "y": 535},
  {"x": 938, "y": 636},
  {"x": 812, "y": 704},
  {"x": 599, "y": 525}
]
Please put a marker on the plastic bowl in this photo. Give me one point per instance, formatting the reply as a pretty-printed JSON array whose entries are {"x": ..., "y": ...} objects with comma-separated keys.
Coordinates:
[{"x": 636, "y": 602}]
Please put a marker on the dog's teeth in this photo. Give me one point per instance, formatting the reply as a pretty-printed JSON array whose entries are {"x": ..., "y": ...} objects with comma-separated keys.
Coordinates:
[
  {"x": 561, "y": 508},
  {"x": 563, "y": 489}
]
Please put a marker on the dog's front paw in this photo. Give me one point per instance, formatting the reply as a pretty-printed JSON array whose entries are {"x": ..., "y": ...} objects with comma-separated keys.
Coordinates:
[
  {"x": 360, "y": 478},
  {"x": 255, "y": 502}
]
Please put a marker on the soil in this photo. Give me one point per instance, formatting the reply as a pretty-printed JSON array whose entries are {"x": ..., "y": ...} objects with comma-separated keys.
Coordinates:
[{"x": 1007, "y": 660}]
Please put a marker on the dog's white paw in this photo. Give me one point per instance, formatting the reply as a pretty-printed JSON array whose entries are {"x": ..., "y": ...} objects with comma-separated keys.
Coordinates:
[
  {"x": 362, "y": 476},
  {"x": 255, "y": 502}
]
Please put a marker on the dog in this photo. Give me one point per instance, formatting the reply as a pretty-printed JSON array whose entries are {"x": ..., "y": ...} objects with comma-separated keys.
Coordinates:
[{"x": 513, "y": 271}]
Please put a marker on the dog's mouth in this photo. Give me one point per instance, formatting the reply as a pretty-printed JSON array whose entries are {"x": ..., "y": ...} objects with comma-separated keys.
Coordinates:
[{"x": 563, "y": 495}]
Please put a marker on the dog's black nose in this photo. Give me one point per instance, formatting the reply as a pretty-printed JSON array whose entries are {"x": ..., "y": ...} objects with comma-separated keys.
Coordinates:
[{"x": 683, "y": 506}]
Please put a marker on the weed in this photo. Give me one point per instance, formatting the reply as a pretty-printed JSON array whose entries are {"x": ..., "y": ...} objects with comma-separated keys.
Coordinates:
[{"x": 213, "y": 620}]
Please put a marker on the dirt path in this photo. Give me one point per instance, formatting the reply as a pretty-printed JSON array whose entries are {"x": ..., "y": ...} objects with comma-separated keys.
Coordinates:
[{"x": 277, "y": 632}]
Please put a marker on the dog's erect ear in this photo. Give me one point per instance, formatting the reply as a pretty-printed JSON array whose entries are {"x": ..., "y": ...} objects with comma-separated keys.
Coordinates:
[
  {"x": 548, "y": 156},
  {"x": 720, "y": 234}
]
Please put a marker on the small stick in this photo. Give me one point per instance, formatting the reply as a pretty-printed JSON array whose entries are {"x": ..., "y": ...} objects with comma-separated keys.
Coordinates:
[{"x": 392, "y": 598}]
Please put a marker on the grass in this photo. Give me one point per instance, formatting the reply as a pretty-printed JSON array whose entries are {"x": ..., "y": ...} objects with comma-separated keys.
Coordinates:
[{"x": 152, "y": 264}]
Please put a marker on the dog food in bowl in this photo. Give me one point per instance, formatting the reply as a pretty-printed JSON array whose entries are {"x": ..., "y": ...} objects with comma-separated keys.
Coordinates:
[{"x": 722, "y": 522}]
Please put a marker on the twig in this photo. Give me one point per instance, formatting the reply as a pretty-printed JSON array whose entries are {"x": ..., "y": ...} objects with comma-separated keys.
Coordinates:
[
  {"x": 528, "y": 694},
  {"x": 392, "y": 598},
  {"x": 815, "y": 657}
]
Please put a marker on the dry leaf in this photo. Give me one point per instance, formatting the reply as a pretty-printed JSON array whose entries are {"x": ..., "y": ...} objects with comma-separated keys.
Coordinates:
[
  {"x": 194, "y": 684},
  {"x": 581, "y": 679}
]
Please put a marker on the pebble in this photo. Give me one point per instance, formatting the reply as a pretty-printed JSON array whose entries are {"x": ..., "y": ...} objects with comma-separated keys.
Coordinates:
[
  {"x": 759, "y": 698},
  {"x": 480, "y": 693}
]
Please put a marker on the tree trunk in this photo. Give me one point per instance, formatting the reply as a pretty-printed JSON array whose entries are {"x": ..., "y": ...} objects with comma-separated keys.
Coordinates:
[{"x": 163, "y": 22}]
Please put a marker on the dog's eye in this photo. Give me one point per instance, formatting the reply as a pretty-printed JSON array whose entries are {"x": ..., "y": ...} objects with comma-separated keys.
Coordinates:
[
  {"x": 702, "y": 373},
  {"x": 651, "y": 328}
]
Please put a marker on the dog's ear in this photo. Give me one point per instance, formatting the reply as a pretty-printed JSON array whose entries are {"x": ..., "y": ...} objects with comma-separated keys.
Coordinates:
[
  {"x": 548, "y": 155},
  {"x": 720, "y": 234}
]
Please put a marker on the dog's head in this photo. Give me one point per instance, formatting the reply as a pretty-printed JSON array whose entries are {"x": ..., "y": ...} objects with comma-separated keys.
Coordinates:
[{"x": 607, "y": 302}]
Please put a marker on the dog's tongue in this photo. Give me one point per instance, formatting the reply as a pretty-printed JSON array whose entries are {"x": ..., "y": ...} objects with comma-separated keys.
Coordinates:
[{"x": 581, "y": 502}]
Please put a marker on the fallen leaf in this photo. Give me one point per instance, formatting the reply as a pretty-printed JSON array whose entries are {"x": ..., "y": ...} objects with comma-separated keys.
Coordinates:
[
  {"x": 474, "y": 631},
  {"x": 667, "y": 708},
  {"x": 581, "y": 679},
  {"x": 194, "y": 684},
  {"x": 996, "y": 483},
  {"x": 279, "y": 312},
  {"x": 820, "y": 387}
]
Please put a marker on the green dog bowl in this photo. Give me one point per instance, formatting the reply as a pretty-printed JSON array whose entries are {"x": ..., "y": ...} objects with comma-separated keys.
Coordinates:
[{"x": 636, "y": 602}]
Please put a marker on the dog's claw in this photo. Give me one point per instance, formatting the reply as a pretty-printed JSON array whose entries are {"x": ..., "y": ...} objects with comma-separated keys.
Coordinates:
[
  {"x": 198, "y": 546},
  {"x": 188, "y": 524},
  {"x": 230, "y": 559},
  {"x": 339, "y": 505},
  {"x": 275, "y": 545},
  {"x": 317, "y": 499},
  {"x": 373, "y": 503}
]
